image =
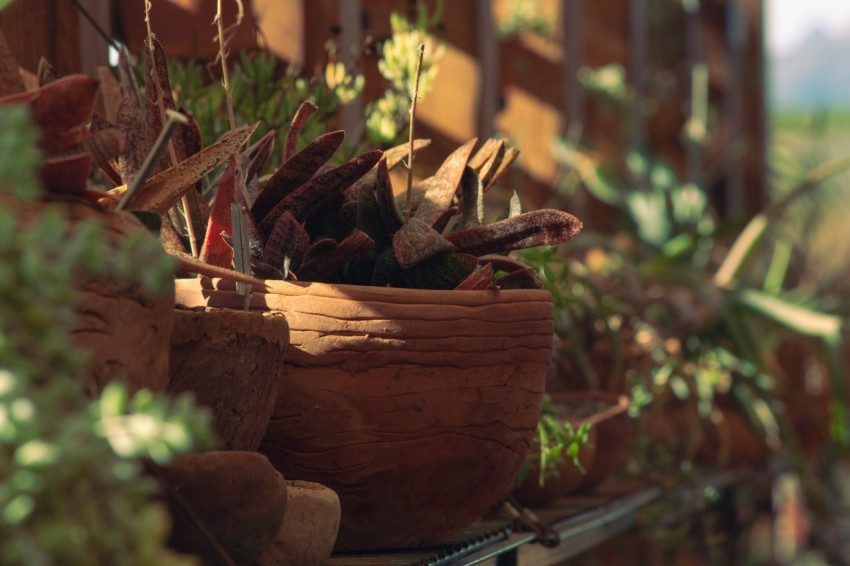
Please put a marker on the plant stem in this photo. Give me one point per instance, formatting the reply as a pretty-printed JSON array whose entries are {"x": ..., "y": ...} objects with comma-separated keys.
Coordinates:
[
  {"x": 411, "y": 136},
  {"x": 225, "y": 80}
]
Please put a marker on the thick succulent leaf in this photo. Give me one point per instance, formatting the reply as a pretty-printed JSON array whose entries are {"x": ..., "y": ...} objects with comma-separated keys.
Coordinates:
[
  {"x": 471, "y": 199},
  {"x": 441, "y": 272},
  {"x": 383, "y": 190},
  {"x": 488, "y": 172},
  {"x": 417, "y": 241},
  {"x": 394, "y": 157},
  {"x": 127, "y": 78},
  {"x": 67, "y": 174},
  {"x": 321, "y": 267},
  {"x": 290, "y": 143},
  {"x": 215, "y": 251},
  {"x": 502, "y": 263},
  {"x": 482, "y": 279},
  {"x": 369, "y": 218},
  {"x": 158, "y": 99},
  {"x": 477, "y": 161},
  {"x": 511, "y": 155},
  {"x": 170, "y": 238},
  {"x": 45, "y": 72},
  {"x": 99, "y": 123},
  {"x": 131, "y": 122},
  {"x": 439, "y": 190},
  {"x": 319, "y": 248},
  {"x": 286, "y": 244},
  {"x": 254, "y": 159},
  {"x": 303, "y": 202},
  {"x": 536, "y": 228},
  {"x": 295, "y": 172},
  {"x": 163, "y": 190},
  {"x": 60, "y": 109},
  {"x": 110, "y": 93},
  {"x": 525, "y": 278},
  {"x": 103, "y": 146},
  {"x": 10, "y": 77}
]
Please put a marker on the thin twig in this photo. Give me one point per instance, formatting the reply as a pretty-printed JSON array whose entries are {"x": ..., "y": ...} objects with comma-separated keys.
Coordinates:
[
  {"x": 411, "y": 137},
  {"x": 172, "y": 153},
  {"x": 225, "y": 79}
]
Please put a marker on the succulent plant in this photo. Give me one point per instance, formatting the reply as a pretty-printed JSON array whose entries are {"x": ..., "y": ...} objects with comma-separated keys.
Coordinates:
[{"x": 343, "y": 224}]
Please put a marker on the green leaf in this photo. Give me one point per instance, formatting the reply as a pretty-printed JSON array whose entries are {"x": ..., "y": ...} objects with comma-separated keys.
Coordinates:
[{"x": 795, "y": 317}]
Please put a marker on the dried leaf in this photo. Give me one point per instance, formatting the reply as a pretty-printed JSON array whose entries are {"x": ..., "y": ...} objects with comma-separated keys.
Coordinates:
[
  {"x": 295, "y": 172},
  {"x": 394, "y": 156},
  {"x": 288, "y": 241},
  {"x": 158, "y": 99},
  {"x": 439, "y": 190},
  {"x": 127, "y": 78},
  {"x": 99, "y": 123},
  {"x": 290, "y": 143},
  {"x": 321, "y": 267},
  {"x": 215, "y": 251},
  {"x": 416, "y": 241},
  {"x": 482, "y": 279},
  {"x": 160, "y": 192},
  {"x": 502, "y": 263},
  {"x": 477, "y": 161},
  {"x": 536, "y": 228},
  {"x": 311, "y": 197},
  {"x": 253, "y": 162},
  {"x": 10, "y": 78}
]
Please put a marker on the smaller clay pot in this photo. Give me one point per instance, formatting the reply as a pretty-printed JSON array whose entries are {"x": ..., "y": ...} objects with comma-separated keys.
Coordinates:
[
  {"x": 310, "y": 526},
  {"x": 610, "y": 435},
  {"x": 231, "y": 360},
  {"x": 238, "y": 496}
]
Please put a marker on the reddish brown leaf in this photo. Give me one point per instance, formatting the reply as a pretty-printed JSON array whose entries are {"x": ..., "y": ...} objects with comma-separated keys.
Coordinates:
[
  {"x": 10, "y": 77},
  {"x": 99, "y": 123},
  {"x": 295, "y": 172},
  {"x": 482, "y": 279},
  {"x": 319, "y": 248},
  {"x": 254, "y": 159},
  {"x": 215, "y": 250},
  {"x": 537, "y": 228},
  {"x": 287, "y": 240},
  {"x": 46, "y": 72},
  {"x": 477, "y": 161},
  {"x": 127, "y": 78},
  {"x": 488, "y": 171},
  {"x": 320, "y": 267},
  {"x": 394, "y": 156},
  {"x": 384, "y": 196},
  {"x": 502, "y": 262},
  {"x": 171, "y": 240},
  {"x": 520, "y": 279},
  {"x": 110, "y": 93},
  {"x": 416, "y": 241},
  {"x": 440, "y": 189},
  {"x": 103, "y": 146},
  {"x": 471, "y": 199},
  {"x": 163, "y": 190},
  {"x": 290, "y": 143},
  {"x": 64, "y": 104},
  {"x": 311, "y": 197},
  {"x": 131, "y": 123},
  {"x": 511, "y": 155},
  {"x": 158, "y": 99},
  {"x": 67, "y": 175}
]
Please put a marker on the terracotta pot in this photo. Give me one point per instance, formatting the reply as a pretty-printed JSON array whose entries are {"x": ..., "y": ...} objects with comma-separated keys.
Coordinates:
[
  {"x": 416, "y": 407},
  {"x": 610, "y": 435},
  {"x": 310, "y": 526},
  {"x": 239, "y": 498},
  {"x": 231, "y": 360},
  {"x": 123, "y": 329}
]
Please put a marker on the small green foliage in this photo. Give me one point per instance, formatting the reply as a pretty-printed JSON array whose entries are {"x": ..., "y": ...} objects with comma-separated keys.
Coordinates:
[
  {"x": 387, "y": 117},
  {"x": 557, "y": 441},
  {"x": 72, "y": 488}
]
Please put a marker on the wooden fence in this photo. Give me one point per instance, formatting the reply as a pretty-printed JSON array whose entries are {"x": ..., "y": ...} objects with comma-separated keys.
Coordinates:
[{"x": 526, "y": 85}]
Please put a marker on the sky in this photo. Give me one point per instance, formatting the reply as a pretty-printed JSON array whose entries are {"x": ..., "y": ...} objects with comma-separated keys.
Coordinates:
[{"x": 789, "y": 21}]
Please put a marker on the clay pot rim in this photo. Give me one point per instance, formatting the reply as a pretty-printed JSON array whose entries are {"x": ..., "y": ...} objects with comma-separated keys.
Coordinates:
[
  {"x": 618, "y": 404},
  {"x": 385, "y": 294}
]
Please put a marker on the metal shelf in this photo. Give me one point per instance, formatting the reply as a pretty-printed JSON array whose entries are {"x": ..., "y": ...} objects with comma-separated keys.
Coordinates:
[{"x": 578, "y": 523}]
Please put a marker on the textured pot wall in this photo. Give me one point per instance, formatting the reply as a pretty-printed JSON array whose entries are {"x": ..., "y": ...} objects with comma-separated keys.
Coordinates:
[
  {"x": 124, "y": 329},
  {"x": 416, "y": 407},
  {"x": 231, "y": 360}
]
